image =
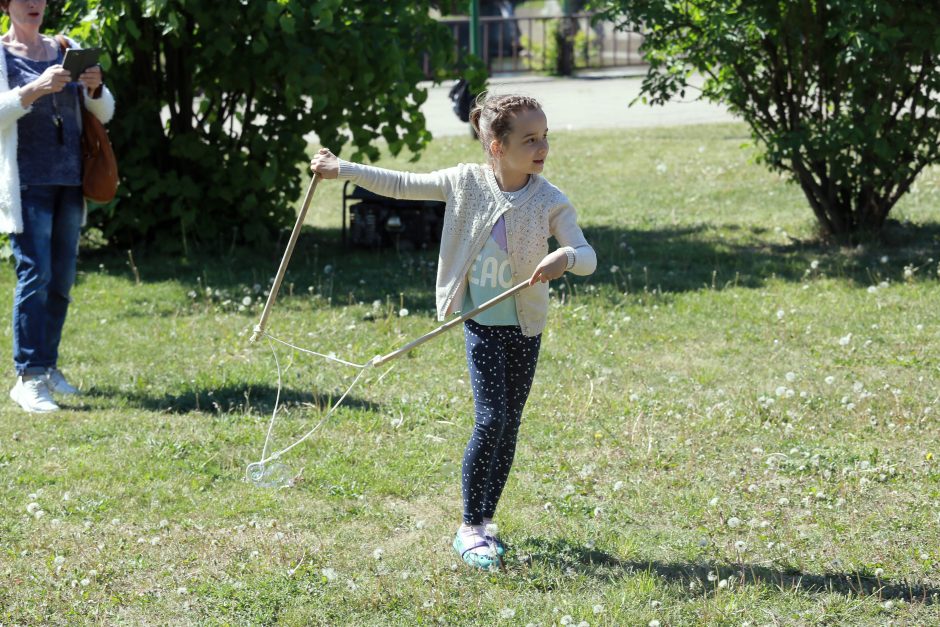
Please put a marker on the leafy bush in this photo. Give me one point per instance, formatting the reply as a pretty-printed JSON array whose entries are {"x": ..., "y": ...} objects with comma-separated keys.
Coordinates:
[
  {"x": 215, "y": 100},
  {"x": 842, "y": 95}
]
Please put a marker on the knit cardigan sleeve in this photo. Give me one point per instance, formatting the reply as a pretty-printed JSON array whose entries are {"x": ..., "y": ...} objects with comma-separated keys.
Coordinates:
[
  {"x": 404, "y": 185},
  {"x": 563, "y": 224},
  {"x": 11, "y": 108}
]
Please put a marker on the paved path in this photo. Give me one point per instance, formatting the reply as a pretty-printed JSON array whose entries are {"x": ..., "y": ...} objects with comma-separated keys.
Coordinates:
[{"x": 589, "y": 101}]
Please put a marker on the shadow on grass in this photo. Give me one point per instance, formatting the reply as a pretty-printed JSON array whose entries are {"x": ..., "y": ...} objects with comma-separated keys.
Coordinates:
[
  {"x": 673, "y": 259},
  {"x": 229, "y": 399},
  {"x": 598, "y": 564}
]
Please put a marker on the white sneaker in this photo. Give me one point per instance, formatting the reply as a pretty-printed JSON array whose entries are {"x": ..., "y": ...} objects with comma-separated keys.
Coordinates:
[
  {"x": 57, "y": 384},
  {"x": 33, "y": 395}
]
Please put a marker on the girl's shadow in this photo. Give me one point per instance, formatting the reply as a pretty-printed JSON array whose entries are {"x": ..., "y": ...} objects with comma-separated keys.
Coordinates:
[{"x": 591, "y": 562}]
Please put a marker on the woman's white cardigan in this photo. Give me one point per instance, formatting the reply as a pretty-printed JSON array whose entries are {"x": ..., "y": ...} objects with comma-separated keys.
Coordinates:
[{"x": 11, "y": 110}]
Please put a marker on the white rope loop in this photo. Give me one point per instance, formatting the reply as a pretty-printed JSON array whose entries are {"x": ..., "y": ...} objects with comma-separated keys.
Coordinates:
[{"x": 265, "y": 458}]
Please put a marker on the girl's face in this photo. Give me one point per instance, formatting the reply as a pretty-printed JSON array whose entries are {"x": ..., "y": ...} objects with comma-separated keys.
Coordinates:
[
  {"x": 526, "y": 148},
  {"x": 27, "y": 12}
]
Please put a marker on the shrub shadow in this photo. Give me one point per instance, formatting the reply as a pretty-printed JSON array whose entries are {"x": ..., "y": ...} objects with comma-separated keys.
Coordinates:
[
  {"x": 600, "y": 565},
  {"x": 227, "y": 399},
  {"x": 672, "y": 259}
]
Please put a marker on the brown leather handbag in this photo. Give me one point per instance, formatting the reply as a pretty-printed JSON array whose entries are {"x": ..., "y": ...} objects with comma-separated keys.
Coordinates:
[{"x": 99, "y": 165}]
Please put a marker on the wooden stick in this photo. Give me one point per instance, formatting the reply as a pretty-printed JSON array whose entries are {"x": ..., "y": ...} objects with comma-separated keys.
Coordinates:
[
  {"x": 378, "y": 361},
  {"x": 282, "y": 270}
]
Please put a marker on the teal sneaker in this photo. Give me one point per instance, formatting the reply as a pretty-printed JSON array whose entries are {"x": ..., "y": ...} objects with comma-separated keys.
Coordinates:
[
  {"x": 491, "y": 537},
  {"x": 483, "y": 561}
]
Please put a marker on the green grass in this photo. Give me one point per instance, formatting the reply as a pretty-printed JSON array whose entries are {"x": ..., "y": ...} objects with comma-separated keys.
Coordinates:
[{"x": 722, "y": 378}]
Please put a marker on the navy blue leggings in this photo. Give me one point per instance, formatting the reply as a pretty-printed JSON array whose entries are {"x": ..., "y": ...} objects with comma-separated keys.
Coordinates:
[{"x": 502, "y": 365}]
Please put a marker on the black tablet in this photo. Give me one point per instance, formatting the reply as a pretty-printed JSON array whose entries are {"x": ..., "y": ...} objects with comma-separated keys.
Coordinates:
[{"x": 77, "y": 60}]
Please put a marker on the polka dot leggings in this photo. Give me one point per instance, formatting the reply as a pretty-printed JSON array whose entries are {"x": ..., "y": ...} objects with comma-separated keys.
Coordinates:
[{"x": 502, "y": 365}]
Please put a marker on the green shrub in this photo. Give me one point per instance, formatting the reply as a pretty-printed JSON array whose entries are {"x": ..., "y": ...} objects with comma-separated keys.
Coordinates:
[
  {"x": 215, "y": 98},
  {"x": 840, "y": 94}
]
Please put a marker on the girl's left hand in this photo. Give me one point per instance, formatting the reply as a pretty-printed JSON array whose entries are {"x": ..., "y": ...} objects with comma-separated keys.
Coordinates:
[
  {"x": 91, "y": 78},
  {"x": 550, "y": 268}
]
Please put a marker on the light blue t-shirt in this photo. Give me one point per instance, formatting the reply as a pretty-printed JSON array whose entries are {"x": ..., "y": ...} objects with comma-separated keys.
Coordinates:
[{"x": 489, "y": 276}]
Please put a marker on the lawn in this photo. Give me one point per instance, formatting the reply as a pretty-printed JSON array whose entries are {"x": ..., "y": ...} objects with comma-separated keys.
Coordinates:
[{"x": 732, "y": 423}]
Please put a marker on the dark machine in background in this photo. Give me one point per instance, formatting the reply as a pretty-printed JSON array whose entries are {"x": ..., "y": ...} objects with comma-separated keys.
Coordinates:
[{"x": 376, "y": 221}]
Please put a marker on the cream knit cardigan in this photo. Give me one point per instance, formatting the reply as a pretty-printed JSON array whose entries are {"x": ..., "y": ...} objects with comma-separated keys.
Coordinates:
[
  {"x": 473, "y": 204},
  {"x": 11, "y": 110}
]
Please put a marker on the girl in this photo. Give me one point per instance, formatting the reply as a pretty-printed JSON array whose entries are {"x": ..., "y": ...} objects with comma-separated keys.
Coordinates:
[{"x": 498, "y": 219}]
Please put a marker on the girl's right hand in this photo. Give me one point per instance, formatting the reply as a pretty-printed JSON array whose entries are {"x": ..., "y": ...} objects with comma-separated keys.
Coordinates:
[
  {"x": 52, "y": 81},
  {"x": 326, "y": 164}
]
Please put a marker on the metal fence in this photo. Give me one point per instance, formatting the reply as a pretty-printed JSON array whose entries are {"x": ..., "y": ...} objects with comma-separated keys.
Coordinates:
[{"x": 529, "y": 44}]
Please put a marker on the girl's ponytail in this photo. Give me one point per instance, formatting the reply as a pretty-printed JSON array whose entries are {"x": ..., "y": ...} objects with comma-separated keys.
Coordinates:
[{"x": 475, "y": 114}]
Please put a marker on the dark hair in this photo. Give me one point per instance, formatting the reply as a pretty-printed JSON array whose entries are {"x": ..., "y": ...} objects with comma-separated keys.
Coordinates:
[
  {"x": 492, "y": 116},
  {"x": 4, "y": 5}
]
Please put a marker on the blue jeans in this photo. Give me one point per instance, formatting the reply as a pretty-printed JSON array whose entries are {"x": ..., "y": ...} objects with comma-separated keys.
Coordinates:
[
  {"x": 46, "y": 253},
  {"x": 502, "y": 366}
]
